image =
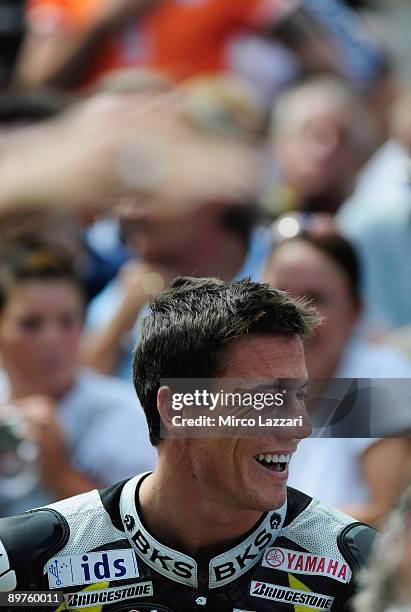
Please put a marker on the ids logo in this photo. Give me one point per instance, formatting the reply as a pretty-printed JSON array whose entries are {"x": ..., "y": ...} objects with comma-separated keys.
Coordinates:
[{"x": 92, "y": 567}]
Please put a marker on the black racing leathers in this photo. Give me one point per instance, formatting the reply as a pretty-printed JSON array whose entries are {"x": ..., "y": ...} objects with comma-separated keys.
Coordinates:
[{"x": 95, "y": 549}]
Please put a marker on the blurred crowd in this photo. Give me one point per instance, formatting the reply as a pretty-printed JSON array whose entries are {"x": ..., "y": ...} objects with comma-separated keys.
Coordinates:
[{"x": 141, "y": 140}]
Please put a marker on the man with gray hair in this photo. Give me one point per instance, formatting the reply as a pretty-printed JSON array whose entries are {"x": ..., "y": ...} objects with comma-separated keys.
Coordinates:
[{"x": 321, "y": 134}]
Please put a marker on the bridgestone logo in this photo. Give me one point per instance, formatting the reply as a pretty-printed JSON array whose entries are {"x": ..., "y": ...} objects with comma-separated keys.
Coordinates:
[
  {"x": 86, "y": 599},
  {"x": 275, "y": 592}
]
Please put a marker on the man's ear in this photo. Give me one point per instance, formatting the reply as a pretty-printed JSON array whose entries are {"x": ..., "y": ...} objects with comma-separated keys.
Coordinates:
[{"x": 166, "y": 411}]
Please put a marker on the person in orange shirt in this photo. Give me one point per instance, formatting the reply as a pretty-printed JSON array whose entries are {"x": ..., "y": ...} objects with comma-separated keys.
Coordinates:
[{"x": 75, "y": 42}]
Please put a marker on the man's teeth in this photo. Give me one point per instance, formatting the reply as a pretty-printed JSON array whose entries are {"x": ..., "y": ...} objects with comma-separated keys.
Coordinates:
[{"x": 274, "y": 458}]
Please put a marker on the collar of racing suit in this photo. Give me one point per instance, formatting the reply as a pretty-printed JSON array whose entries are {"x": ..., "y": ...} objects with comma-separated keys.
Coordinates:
[{"x": 181, "y": 568}]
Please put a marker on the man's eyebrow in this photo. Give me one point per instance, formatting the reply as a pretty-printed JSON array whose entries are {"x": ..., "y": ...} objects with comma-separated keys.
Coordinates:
[
  {"x": 273, "y": 385},
  {"x": 277, "y": 384}
]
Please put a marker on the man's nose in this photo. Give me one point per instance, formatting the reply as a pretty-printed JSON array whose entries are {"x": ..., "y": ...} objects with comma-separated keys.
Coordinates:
[
  {"x": 51, "y": 334},
  {"x": 297, "y": 422},
  {"x": 305, "y": 430},
  {"x": 297, "y": 429}
]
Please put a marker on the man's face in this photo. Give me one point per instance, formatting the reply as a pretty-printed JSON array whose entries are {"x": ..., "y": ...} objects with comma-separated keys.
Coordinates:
[
  {"x": 40, "y": 328},
  {"x": 315, "y": 158},
  {"x": 229, "y": 467},
  {"x": 164, "y": 237}
]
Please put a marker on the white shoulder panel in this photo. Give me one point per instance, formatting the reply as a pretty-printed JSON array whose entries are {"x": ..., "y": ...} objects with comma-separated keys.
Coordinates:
[
  {"x": 316, "y": 529},
  {"x": 89, "y": 522}
]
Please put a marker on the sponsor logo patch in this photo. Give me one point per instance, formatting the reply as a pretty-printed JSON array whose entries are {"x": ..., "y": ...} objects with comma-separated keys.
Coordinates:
[
  {"x": 86, "y": 599},
  {"x": 276, "y": 592},
  {"x": 223, "y": 569},
  {"x": 298, "y": 562},
  {"x": 92, "y": 567},
  {"x": 237, "y": 561}
]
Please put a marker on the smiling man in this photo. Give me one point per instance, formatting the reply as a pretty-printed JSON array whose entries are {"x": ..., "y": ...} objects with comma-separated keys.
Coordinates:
[{"x": 213, "y": 527}]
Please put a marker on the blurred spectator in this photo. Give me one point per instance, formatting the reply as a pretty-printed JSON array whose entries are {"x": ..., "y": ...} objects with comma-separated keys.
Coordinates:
[
  {"x": 386, "y": 583},
  {"x": 215, "y": 240},
  {"x": 217, "y": 236},
  {"x": 271, "y": 66},
  {"x": 366, "y": 475},
  {"x": 362, "y": 56},
  {"x": 321, "y": 134},
  {"x": 377, "y": 218},
  {"x": 383, "y": 185},
  {"x": 75, "y": 42},
  {"x": 86, "y": 430}
]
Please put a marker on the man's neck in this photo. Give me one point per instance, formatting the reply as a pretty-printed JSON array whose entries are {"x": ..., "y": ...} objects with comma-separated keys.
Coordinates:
[{"x": 183, "y": 515}]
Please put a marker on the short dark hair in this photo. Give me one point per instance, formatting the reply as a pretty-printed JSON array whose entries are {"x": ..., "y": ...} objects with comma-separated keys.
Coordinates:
[
  {"x": 192, "y": 324},
  {"x": 337, "y": 248},
  {"x": 32, "y": 259}
]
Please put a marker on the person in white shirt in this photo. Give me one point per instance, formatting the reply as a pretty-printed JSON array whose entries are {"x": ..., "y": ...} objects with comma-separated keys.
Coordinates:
[
  {"x": 363, "y": 476},
  {"x": 85, "y": 430}
]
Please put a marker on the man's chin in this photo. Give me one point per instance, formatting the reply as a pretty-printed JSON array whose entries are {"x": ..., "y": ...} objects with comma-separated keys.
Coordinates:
[{"x": 275, "y": 501}]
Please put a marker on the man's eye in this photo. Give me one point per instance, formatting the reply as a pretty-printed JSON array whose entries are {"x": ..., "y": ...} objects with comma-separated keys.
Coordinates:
[
  {"x": 69, "y": 321},
  {"x": 30, "y": 324}
]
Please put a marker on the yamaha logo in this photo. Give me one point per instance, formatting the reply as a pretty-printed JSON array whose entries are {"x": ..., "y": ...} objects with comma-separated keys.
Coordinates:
[{"x": 275, "y": 557}]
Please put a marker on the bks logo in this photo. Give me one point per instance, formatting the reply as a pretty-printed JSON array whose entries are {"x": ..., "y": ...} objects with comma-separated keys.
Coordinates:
[
  {"x": 129, "y": 522},
  {"x": 240, "y": 563},
  {"x": 275, "y": 520},
  {"x": 163, "y": 563}
]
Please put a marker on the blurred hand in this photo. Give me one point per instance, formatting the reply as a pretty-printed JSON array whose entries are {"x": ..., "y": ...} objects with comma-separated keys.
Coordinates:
[
  {"x": 129, "y": 144},
  {"x": 40, "y": 425}
]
